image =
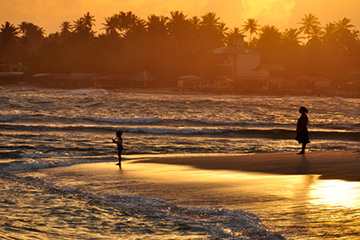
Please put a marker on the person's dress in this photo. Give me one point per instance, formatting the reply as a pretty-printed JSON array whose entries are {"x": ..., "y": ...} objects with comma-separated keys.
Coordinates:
[{"x": 303, "y": 135}]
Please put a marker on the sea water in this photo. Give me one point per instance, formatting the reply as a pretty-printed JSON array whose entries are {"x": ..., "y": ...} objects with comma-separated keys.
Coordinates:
[{"x": 44, "y": 128}]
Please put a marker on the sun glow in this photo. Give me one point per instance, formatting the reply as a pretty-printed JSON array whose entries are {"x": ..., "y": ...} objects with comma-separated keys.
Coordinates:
[
  {"x": 335, "y": 193},
  {"x": 272, "y": 10}
]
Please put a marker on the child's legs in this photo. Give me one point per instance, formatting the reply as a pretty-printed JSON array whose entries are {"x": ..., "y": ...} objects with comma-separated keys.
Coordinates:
[{"x": 119, "y": 155}]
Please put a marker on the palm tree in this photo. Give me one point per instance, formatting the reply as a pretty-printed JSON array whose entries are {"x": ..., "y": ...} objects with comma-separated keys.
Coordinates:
[
  {"x": 156, "y": 25},
  {"x": 178, "y": 24},
  {"x": 330, "y": 30},
  {"x": 291, "y": 36},
  {"x": 89, "y": 20},
  {"x": 210, "y": 21},
  {"x": 8, "y": 37},
  {"x": 32, "y": 37},
  {"x": 212, "y": 30},
  {"x": 344, "y": 24},
  {"x": 31, "y": 30},
  {"x": 65, "y": 26},
  {"x": 65, "y": 29},
  {"x": 127, "y": 21},
  {"x": 79, "y": 25},
  {"x": 310, "y": 23},
  {"x": 343, "y": 27},
  {"x": 111, "y": 25},
  {"x": 269, "y": 44},
  {"x": 195, "y": 22},
  {"x": 251, "y": 26},
  {"x": 316, "y": 33},
  {"x": 222, "y": 28},
  {"x": 84, "y": 25},
  {"x": 355, "y": 34}
]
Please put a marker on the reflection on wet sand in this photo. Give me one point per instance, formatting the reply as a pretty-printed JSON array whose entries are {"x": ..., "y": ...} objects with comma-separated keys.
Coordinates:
[{"x": 293, "y": 205}]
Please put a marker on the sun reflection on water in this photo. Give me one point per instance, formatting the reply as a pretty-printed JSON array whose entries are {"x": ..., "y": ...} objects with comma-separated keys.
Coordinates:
[{"x": 335, "y": 194}]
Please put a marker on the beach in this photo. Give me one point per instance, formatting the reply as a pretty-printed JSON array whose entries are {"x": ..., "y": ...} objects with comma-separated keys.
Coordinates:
[
  {"x": 340, "y": 165},
  {"x": 321, "y": 203}
]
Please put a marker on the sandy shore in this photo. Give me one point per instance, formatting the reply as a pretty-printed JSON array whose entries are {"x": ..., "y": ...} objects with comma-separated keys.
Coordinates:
[{"x": 342, "y": 165}]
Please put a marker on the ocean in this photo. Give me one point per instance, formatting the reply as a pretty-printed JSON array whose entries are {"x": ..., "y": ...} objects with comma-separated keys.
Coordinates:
[{"x": 45, "y": 129}]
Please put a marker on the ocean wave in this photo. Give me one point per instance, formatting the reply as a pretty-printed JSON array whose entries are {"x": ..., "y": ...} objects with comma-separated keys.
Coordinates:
[
  {"x": 178, "y": 121},
  {"x": 33, "y": 119},
  {"x": 22, "y": 165},
  {"x": 48, "y": 155},
  {"x": 187, "y": 121},
  {"x": 211, "y": 223},
  {"x": 241, "y": 132},
  {"x": 28, "y": 164},
  {"x": 183, "y": 131},
  {"x": 9, "y": 118},
  {"x": 86, "y": 91},
  {"x": 240, "y": 123},
  {"x": 126, "y": 120}
]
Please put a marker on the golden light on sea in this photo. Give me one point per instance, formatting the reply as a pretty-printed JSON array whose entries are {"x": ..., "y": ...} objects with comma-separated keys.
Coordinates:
[{"x": 335, "y": 194}]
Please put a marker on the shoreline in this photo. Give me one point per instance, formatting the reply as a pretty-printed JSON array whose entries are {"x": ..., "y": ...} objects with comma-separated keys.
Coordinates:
[
  {"x": 174, "y": 90},
  {"x": 342, "y": 165}
]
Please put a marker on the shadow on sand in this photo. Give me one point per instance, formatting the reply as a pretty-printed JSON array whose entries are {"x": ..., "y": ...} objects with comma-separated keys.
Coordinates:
[{"x": 304, "y": 166}]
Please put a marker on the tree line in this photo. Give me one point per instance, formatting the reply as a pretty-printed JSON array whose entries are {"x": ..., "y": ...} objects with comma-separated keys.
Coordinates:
[{"x": 171, "y": 46}]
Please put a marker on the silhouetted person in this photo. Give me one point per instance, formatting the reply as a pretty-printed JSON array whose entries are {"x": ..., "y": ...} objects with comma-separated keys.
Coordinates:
[
  {"x": 118, "y": 141},
  {"x": 302, "y": 134}
]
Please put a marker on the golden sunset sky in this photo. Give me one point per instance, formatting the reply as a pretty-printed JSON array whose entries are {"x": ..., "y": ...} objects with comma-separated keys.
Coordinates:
[{"x": 49, "y": 14}]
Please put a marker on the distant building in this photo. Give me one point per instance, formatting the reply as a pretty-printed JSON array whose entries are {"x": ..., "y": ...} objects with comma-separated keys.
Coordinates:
[
  {"x": 11, "y": 77},
  {"x": 188, "y": 82},
  {"x": 110, "y": 81},
  {"x": 243, "y": 70},
  {"x": 141, "y": 79},
  {"x": 270, "y": 70},
  {"x": 11, "y": 73},
  {"x": 236, "y": 61},
  {"x": 309, "y": 83}
]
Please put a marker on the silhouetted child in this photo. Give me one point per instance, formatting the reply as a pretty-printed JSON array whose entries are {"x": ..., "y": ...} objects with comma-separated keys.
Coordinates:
[
  {"x": 118, "y": 141},
  {"x": 302, "y": 134}
]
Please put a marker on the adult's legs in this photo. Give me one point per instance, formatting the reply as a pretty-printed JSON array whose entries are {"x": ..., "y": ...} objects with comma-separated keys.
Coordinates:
[{"x": 303, "y": 148}]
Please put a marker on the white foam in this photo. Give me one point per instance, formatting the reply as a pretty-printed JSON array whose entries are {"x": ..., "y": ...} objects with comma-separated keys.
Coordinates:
[
  {"x": 18, "y": 166},
  {"x": 86, "y": 91},
  {"x": 229, "y": 224},
  {"x": 42, "y": 155},
  {"x": 7, "y": 118}
]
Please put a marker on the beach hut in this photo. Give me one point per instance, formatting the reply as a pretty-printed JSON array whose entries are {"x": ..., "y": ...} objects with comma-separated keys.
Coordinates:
[
  {"x": 11, "y": 77},
  {"x": 141, "y": 79},
  {"x": 310, "y": 83},
  {"x": 188, "y": 82},
  {"x": 110, "y": 81}
]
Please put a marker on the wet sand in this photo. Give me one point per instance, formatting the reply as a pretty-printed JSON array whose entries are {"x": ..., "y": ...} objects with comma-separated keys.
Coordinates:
[
  {"x": 283, "y": 189},
  {"x": 342, "y": 165}
]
